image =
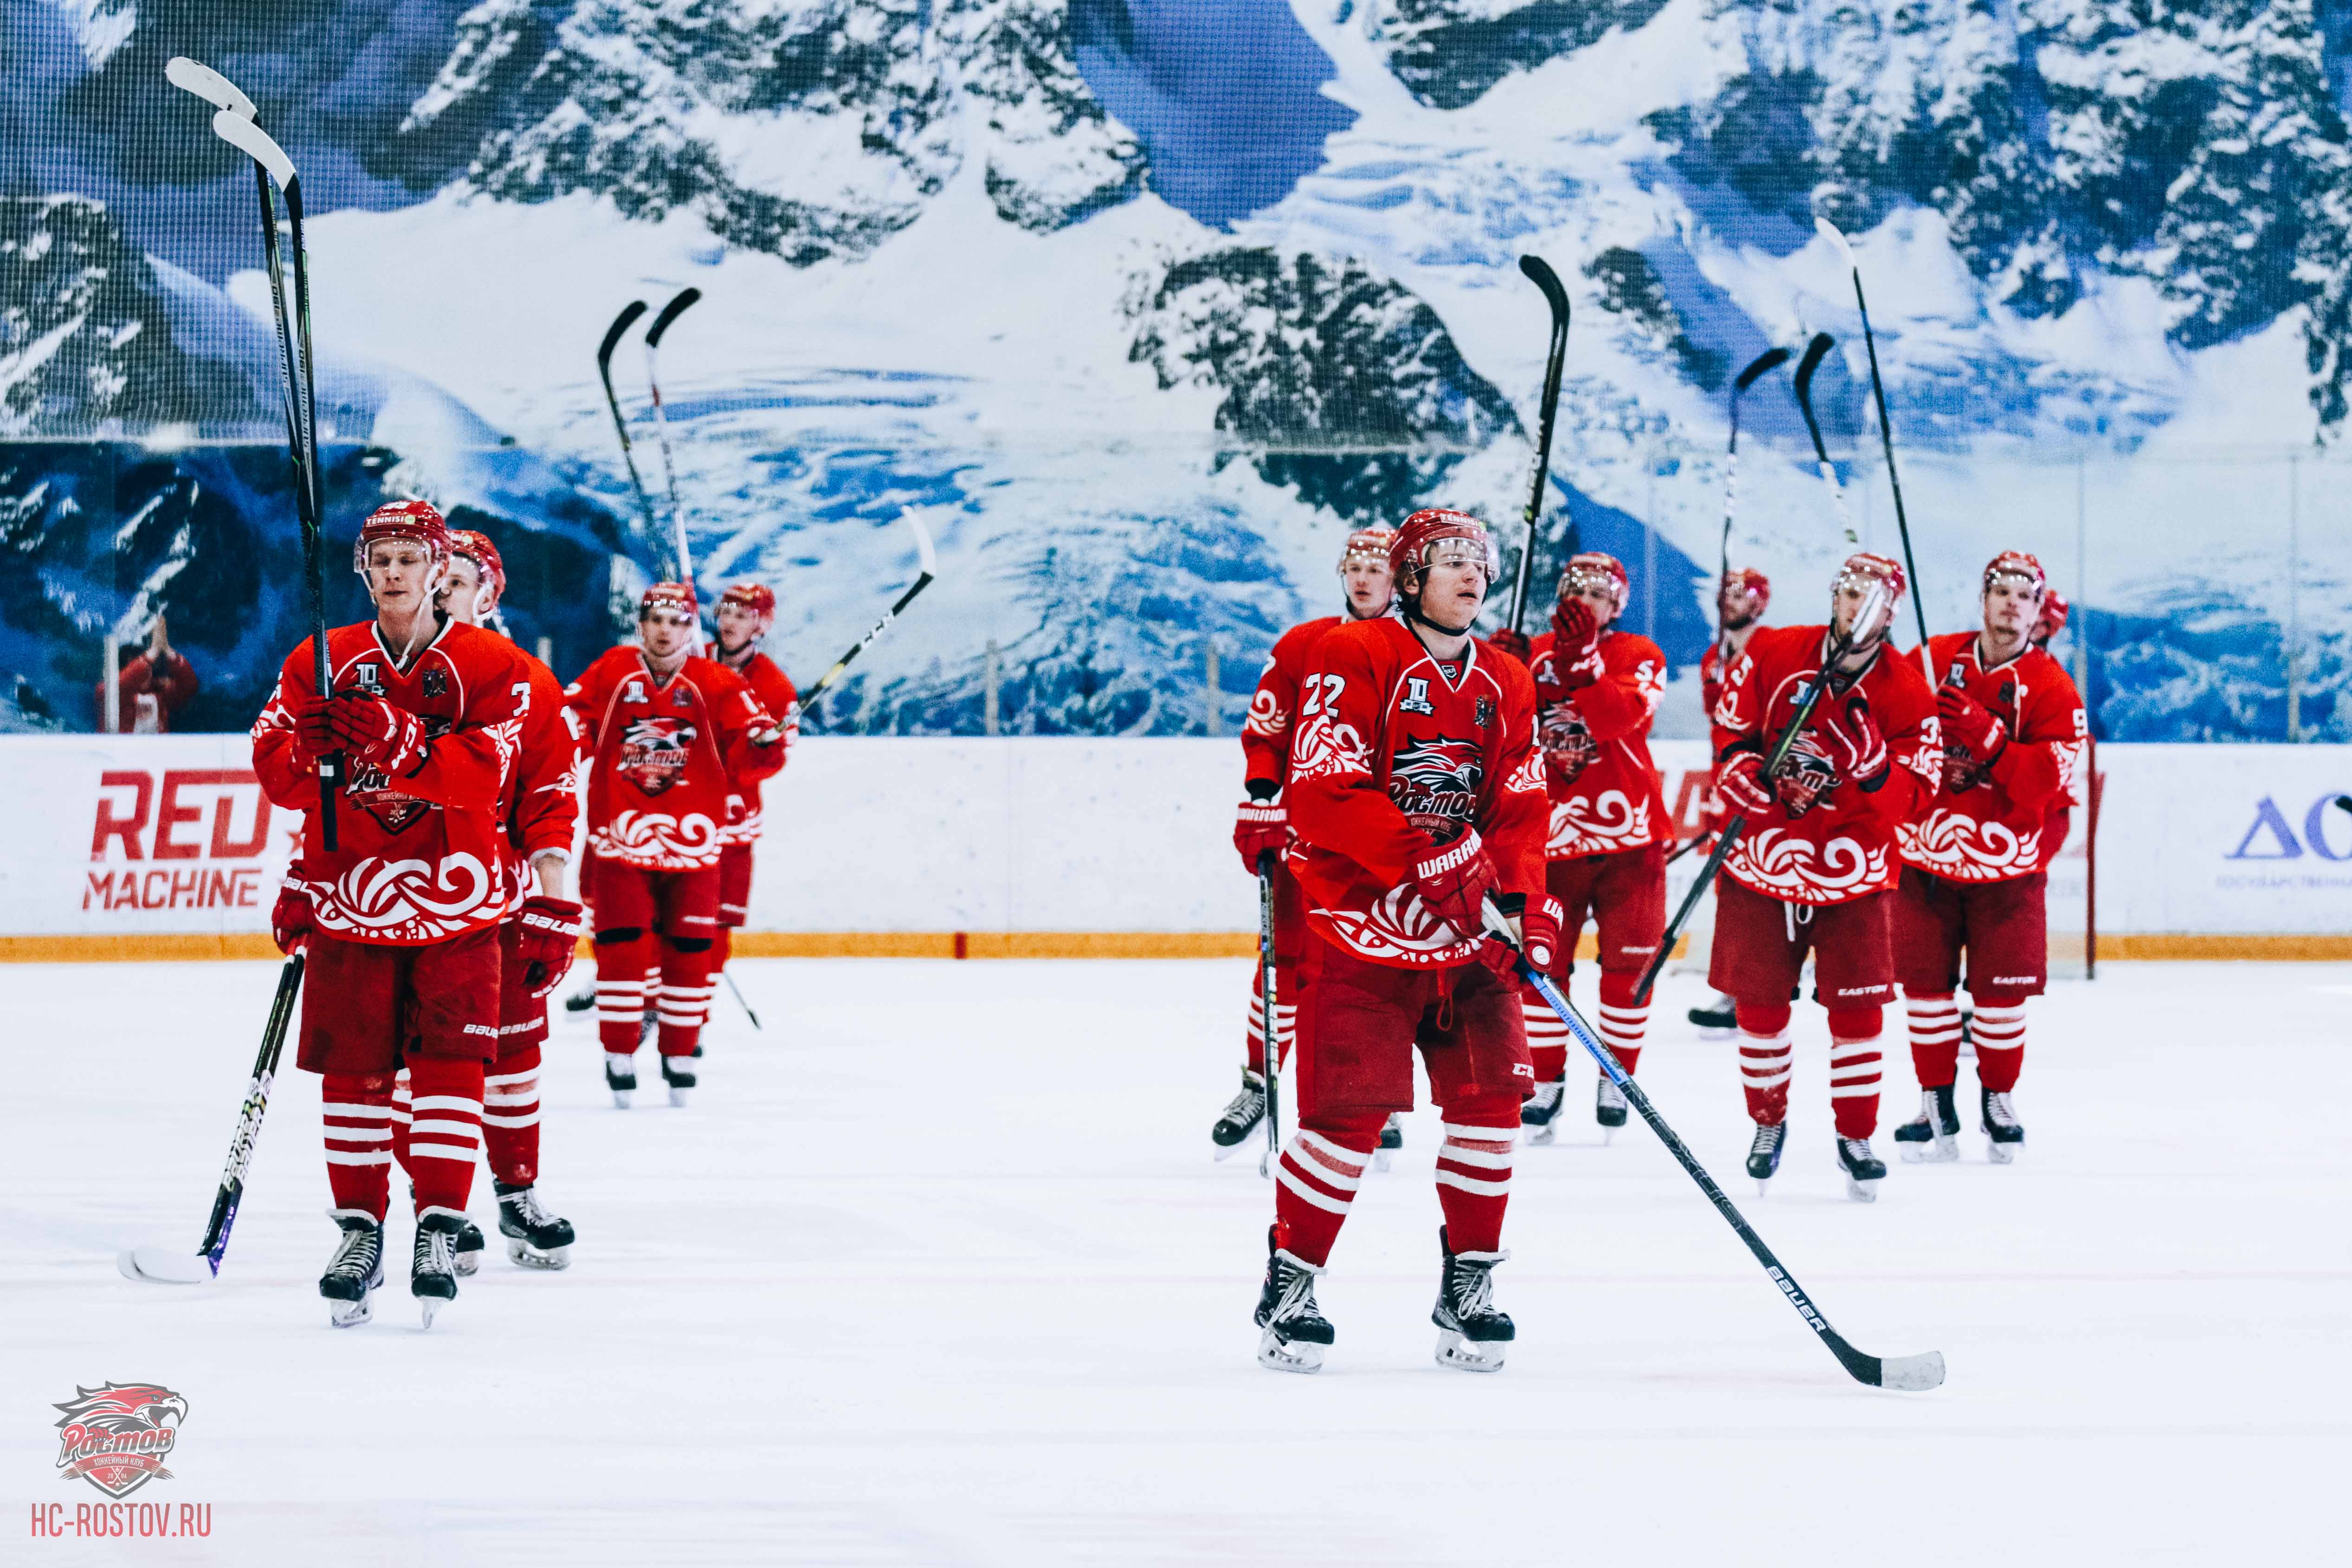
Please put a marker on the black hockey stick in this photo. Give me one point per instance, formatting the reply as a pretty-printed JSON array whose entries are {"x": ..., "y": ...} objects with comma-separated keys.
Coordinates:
[
  {"x": 612, "y": 334},
  {"x": 1270, "y": 1067},
  {"x": 1919, "y": 1371},
  {"x": 1687, "y": 845},
  {"x": 670, "y": 312},
  {"x": 1539, "y": 272},
  {"x": 1757, "y": 368},
  {"x": 1830, "y": 232},
  {"x": 739, "y": 1001},
  {"x": 930, "y": 566},
  {"x": 166, "y": 1266},
  {"x": 1865, "y": 619},
  {"x": 1814, "y": 352},
  {"x": 233, "y": 121}
]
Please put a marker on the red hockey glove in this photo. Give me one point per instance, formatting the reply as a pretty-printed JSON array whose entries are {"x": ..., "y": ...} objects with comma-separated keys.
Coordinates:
[
  {"x": 1741, "y": 784},
  {"x": 1970, "y": 725},
  {"x": 289, "y": 919},
  {"x": 1567, "y": 741},
  {"x": 1575, "y": 644},
  {"x": 1507, "y": 640},
  {"x": 1850, "y": 739},
  {"x": 547, "y": 934},
  {"x": 389, "y": 739},
  {"x": 1454, "y": 881},
  {"x": 314, "y": 730},
  {"x": 1261, "y": 827},
  {"x": 1541, "y": 920},
  {"x": 1806, "y": 775}
]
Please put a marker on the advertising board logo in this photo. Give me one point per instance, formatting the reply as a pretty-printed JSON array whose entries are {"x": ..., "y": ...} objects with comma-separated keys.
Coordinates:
[
  {"x": 115, "y": 1437},
  {"x": 2270, "y": 836}
]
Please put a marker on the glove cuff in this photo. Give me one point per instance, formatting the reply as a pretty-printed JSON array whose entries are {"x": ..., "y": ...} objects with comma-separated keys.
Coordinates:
[{"x": 1453, "y": 857}]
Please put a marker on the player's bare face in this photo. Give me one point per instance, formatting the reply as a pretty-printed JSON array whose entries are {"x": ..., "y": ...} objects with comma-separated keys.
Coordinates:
[
  {"x": 2012, "y": 606},
  {"x": 461, "y": 595},
  {"x": 1452, "y": 589},
  {"x": 1367, "y": 586},
  {"x": 739, "y": 628},
  {"x": 1734, "y": 606},
  {"x": 398, "y": 573},
  {"x": 667, "y": 635}
]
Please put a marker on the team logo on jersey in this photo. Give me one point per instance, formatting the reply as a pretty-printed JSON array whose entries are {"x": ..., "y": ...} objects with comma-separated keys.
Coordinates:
[
  {"x": 1567, "y": 741},
  {"x": 1434, "y": 783},
  {"x": 366, "y": 676},
  {"x": 1416, "y": 696},
  {"x": 1483, "y": 713},
  {"x": 678, "y": 698},
  {"x": 654, "y": 752},
  {"x": 635, "y": 694},
  {"x": 437, "y": 683},
  {"x": 371, "y": 791},
  {"x": 115, "y": 1437}
]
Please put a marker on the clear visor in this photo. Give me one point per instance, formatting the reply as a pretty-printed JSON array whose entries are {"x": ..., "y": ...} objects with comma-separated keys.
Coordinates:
[
  {"x": 1364, "y": 555},
  {"x": 1583, "y": 579},
  {"x": 1876, "y": 610},
  {"x": 666, "y": 615},
  {"x": 2021, "y": 583},
  {"x": 1458, "y": 552}
]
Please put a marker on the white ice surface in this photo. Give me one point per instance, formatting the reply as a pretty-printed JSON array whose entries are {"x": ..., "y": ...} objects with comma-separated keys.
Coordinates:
[{"x": 937, "y": 1272}]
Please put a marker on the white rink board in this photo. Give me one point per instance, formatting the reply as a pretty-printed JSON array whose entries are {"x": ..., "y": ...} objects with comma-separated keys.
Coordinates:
[{"x": 1083, "y": 835}]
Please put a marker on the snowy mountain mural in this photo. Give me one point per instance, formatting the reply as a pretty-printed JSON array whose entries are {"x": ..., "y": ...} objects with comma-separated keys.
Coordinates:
[{"x": 1142, "y": 304}]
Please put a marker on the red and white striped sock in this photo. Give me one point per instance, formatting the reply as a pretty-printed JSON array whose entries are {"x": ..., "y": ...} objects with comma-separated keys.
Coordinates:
[
  {"x": 356, "y": 1115},
  {"x": 1935, "y": 1025},
  {"x": 1855, "y": 1069},
  {"x": 510, "y": 1118},
  {"x": 1548, "y": 1036},
  {"x": 1473, "y": 1176},
  {"x": 401, "y": 1115},
  {"x": 682, "y": 1005},
  {"x": 620, "y": 1010},
  {"x": 2000, "y": 1036},
  {"x": 1315, "y": 1183},
  {"x": 447, "y": 1136},
  {"x": 1764, "y": 1059},
  {"x": 1623, "y": 1021},
  {"x": 1285, "y": 1022}
]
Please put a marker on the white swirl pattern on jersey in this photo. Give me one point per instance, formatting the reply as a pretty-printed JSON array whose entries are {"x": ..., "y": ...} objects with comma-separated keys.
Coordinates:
[
  {"x": 1327, "y": 749},
  {"x": 1399, "y": 926},
  {"x": 1265, "y": 717},
  {"x": 1955, "y": 845},
  {"x": 397, "y": 898},
  {"x": 1772, "y": 861},
  {"x": 693, "y": 839},
  {"x": 1616, "y": 822}
]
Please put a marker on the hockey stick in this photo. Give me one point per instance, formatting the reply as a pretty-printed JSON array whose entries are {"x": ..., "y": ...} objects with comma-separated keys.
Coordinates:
[
  {"x": 234, "y": 122},
  {"x": 739, "y": 1002},
  {"x": 1912, "y": 1373},
  {"x": 1687, "y": 845},
  {"x": 1270, "y": 1066},
  {"x": 1757, "y": 368},
  {"x": 1540, "y": 274},
  {"x": 1865, "y": 618},
  {"x": 1830, "y": 232},
  {"x": 930, "y": 569},
  {"x": 669, "y": 313},
  {"x": 1814, "y": 352},
  {"x": 165, "y": 1266},
  {"x": 621, "y": 324}
]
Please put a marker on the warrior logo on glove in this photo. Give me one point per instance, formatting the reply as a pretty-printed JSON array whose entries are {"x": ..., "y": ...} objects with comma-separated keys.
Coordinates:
[{"x": 654, "y": 752}]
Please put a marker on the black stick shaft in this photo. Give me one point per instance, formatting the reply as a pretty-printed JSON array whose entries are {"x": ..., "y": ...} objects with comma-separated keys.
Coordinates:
[
  {"x": 824, "y": 681},
  {"x": 248, "y": 1117},
  {"x": 621, "y": 324},
  {"x": 1886, "y": 445},
  {"x": 1539, "y": 272},
  {"x": 1271, "y": 1066}
]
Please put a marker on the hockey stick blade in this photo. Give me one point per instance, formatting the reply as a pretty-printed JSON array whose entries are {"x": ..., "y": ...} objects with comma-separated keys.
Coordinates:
[
  {"x": 923, "y": 551},
  {"x": 1540, "y": 274},
  {"x": 612, "y": 334},
  {"x": 669, "y": 313},
  {"x": 1836, "y": 236},
  {"x": 1815, "y": 351},
  {"x": 162, "y": 1265},
  {"x": 255, "y": 143},
  {"x": 195, "y": 77},
  {"x": 1761, "y": 365}
]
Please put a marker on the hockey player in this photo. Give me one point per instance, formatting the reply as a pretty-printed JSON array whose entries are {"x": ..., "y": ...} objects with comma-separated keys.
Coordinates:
[
  {"x": 536, "y": 941},
  {"x": 674, "y": 737},
  {"x": 746, "y": 614},
  {"x": 1739, "y": 602},
  {"x": 1816, "y": 863},
  {"x": 1597, "y": 690},
  {"x": 1417, "y": 795},
  {"x": 400, "y": 921},
  {"x": 1972, "y": 864},
  {"x": 1261, "y": 827}
]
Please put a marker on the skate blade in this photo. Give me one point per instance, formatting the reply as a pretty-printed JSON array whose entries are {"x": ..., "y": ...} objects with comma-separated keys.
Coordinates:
[
  {"x": 621, "y": 1098},
  {"x": 552, "y": 1259},
  {"x": 1382, "y": 1159},
  {"x": 1289, "y": 1355},
  {"x": 1941, "y": 1152},
  {"x": 160, "y": 1266},
  {"x": 428, "y": 1305},
  {"x": 1862, "y": 1191},
  {"x": 1469, "y": 1356},
  {"x": 349, "y": 1314},
  {"x": 2000, "y": 1153},
  {"x": 1543, "y": 1133},
  {"x": 678, "y": 1098},
  {"x": 1763, "y": 1187},
  {"x": 1227, "y": 1151}
]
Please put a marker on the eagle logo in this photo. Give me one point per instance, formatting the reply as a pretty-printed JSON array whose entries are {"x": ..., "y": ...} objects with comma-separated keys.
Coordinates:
[
  {"x": 115, "y": 1437},
  {"x": 654, "y": 752},
  {"x": 1434, "y": 782}
]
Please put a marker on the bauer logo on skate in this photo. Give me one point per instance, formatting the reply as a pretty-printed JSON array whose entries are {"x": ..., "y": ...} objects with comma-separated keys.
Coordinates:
[
  {"x": 115, "y": 1437},
  {"x": 402, "y": 901},
  {"x": 139, "y": 816},
  {"x": 1771, "y": 861}
]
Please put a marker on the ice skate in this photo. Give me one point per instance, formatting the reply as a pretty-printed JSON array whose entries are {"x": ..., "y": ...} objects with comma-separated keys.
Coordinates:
[
  {"x": 1933, "y": 1136},
  {"x": 581, "y": 1001},
  {"x": 1717, "y": 1017},
  {"x": 1764, "y": 1154},
  {"x": 356, "y": 1267},
  {"x": 1471, "y": 1334},
  {"x": 2002, "y": 1126},
  {"x": 677, "y": 1071},
  {"x": 621, "y": 1077},
  {"x": 433, "y": 1266},
  {"x": 1864, "y": 1170},
  {"x": 1541, "y": 1113},
  {"x": 1296, "y": 1331},
  {"x": 1609, "y": 1108},
  {"x": 469, "y": 1248},
  {"x": 1392, "y": 1140},
  {"x": 536, "y": 1238},
  {"x": 1241, "y": 1115}
]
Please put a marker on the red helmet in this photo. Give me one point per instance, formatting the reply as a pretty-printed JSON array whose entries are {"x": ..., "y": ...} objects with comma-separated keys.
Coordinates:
[
  {"x": 1593, "y": 569},
  {"x": 1368, "y": 547},
  {"x": 1863, "y": 569},
  {"x": 417, "y": 521},
  {"x": 2016, "y": 563},
  {"x": 2053, "y": 621},
  {"x": 675, "y": 596},
  {"x": 476, "y": 547},
  {"x": 756, "y": 597},
  {"x": 1409, "y": 551},
  {"x": 1753, "y": 585}
]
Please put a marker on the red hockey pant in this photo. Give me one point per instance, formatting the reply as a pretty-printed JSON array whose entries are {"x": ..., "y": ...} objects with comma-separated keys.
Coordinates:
[
  {"x": 1358, "y": 1023},
  {"x": 511, "y": 1089},
  {"x": 1759, "y": 952},
  {"x": 655, "y": 932},
  {"x": 2004, "y": 928},
  {"x": 1625, "y": 895}
]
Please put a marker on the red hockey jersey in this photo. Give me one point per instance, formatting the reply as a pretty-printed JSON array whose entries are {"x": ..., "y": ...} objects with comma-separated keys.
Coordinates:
[
  {"x": 421, "y": 858},
  {"x": 541, "y": 809},
  {"x": 1986, "y": 823},
  {"x": 665, "y": 756},
  {"x": 774, "y": 691},
  {"x": 1265, "y": 736},
  {"x": 1605, "y": 795},
  {"x": 1844, "y": 847},
  {"x": 1396, "y": 753}
]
